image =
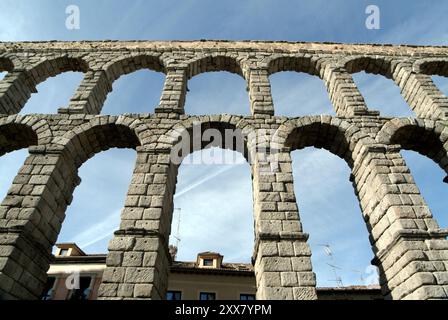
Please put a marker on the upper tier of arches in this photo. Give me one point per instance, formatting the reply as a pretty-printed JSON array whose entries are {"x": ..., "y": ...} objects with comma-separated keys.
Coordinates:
[{"x": 101, "y": 69}]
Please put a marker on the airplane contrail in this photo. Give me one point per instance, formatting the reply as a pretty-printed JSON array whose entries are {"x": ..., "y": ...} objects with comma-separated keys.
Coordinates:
[
  {"x": 87, "y": 234},
  {"x": 203, "y": 180}
]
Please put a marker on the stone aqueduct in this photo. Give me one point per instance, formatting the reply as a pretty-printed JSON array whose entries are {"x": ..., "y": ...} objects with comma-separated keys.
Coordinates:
[{"x": 410, "y": 249}]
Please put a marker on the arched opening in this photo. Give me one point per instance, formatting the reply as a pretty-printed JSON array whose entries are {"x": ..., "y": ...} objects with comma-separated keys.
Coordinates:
[
  {"x": 297, "y": 89},
  {"x": 98, "y": 200},
  {"x": 143, "y": 89},
  {"x": 216, "y": 85},
  {"x": 141, "y": 77},
  {"x": 67, "y": 73},
  {"x": 215, "y": 202},
  {"x": 428, "y": 177},
  {"x": 53, "y": 93},
  {"x": 382, "y": 94},
  {"x": 212, "y": 225},
  {"x": 373, "y": 77},
  {"x": 14, "y": 139},
  {"x": 427, "y": 159},
  {"x": 93, "y": 216},
  {"x": 2, "y": 75},
  {"x": 297, "y": 94},
  {"x": 328, "y": 208},
  {"x": 330, "y": 213},
  {"x": 217, "y": 93}
]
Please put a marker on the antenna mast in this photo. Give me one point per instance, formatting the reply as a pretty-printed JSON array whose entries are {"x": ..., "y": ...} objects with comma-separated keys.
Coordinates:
[
  {"x": 329, "y": 253},
  {"x": 177, "y": 235}
]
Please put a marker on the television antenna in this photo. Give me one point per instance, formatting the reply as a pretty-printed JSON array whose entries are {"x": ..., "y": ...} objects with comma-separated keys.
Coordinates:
[
  {"x": 328, "y": 252},
  {"x": 177, "y": 234},
  {"x": 361, "y": 277},
  {"x": 337, "y": 278}
]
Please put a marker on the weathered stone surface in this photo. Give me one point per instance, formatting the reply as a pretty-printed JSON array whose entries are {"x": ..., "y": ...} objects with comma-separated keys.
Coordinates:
[{"x": 409, "y": 247}]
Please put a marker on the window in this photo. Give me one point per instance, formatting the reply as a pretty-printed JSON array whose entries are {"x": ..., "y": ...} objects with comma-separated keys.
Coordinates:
[
  {"x": 174, "y": 295},
  {"x": 83, "y": 293},
  {"x": 208, "y": 262},
  {"x": 63, "y": 252},
  {"x": 49, "y": 289},
  {"x": 245, "y": 296},
  {"x": 207, "y": 296}
]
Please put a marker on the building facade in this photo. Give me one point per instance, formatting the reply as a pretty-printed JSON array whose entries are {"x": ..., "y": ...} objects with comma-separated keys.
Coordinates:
[{"x": 74, "y": 275}]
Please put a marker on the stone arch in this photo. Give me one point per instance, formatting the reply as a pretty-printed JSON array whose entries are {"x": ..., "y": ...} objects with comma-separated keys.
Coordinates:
[
  {"x": 375, "y": 65},
  {"x": 396, "y": 69},
  {"x": 307, "y": 64},
  {"x": 428, "y": 138},
  {"x": 6, "y": 64},
  {"x": 22, "y": 81},
  {"x": 184, "y": 134},
  {"x": 51, "y": 172},
  {"x": 131, "y": 63},
  {"x": 216, "y": 62},
  {"x": 62, "y": 158},
  {"x": 14, "y": 136},
  {"x": 432, "y": 66},
  {"x": 52, "y": 66},
  {"x": 298, "y": 63},
  {"x": 147, "y": 214},
  {"x": 17, "y": 132},
  {"x": 333, "y": 134},
  {"x": 97, "y": 135},
  {"x": 419, "y": 89},
  {"x": 99, "y": 82}
]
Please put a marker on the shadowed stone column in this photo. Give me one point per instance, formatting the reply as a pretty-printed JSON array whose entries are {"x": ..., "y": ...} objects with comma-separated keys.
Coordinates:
[
  {"x": 344, "y": 95},
  {"x": 282, "y": 256},
  {"x": 410, "y": 248},
  {"x": 90, "y": 95},
  {"x": 420, "y": 92},
  {"x": 174, "y": 91},
  {"x": 30, "y": 220},
  {"x": 260, "y": 92},
  {"x": 15, "y": 91},
  {"x": 138, "y": 259}
]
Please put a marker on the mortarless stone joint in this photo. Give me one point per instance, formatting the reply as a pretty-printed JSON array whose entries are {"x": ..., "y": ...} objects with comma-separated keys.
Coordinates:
[{"x": 410, "y": 249}]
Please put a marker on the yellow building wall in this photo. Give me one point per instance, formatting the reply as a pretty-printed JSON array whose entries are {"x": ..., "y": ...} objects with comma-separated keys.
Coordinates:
[{"x": 226, "y": 287}]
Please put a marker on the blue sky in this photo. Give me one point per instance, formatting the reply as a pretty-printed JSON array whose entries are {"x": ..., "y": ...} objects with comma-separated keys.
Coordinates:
[{"x": 216, "y": 200}]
